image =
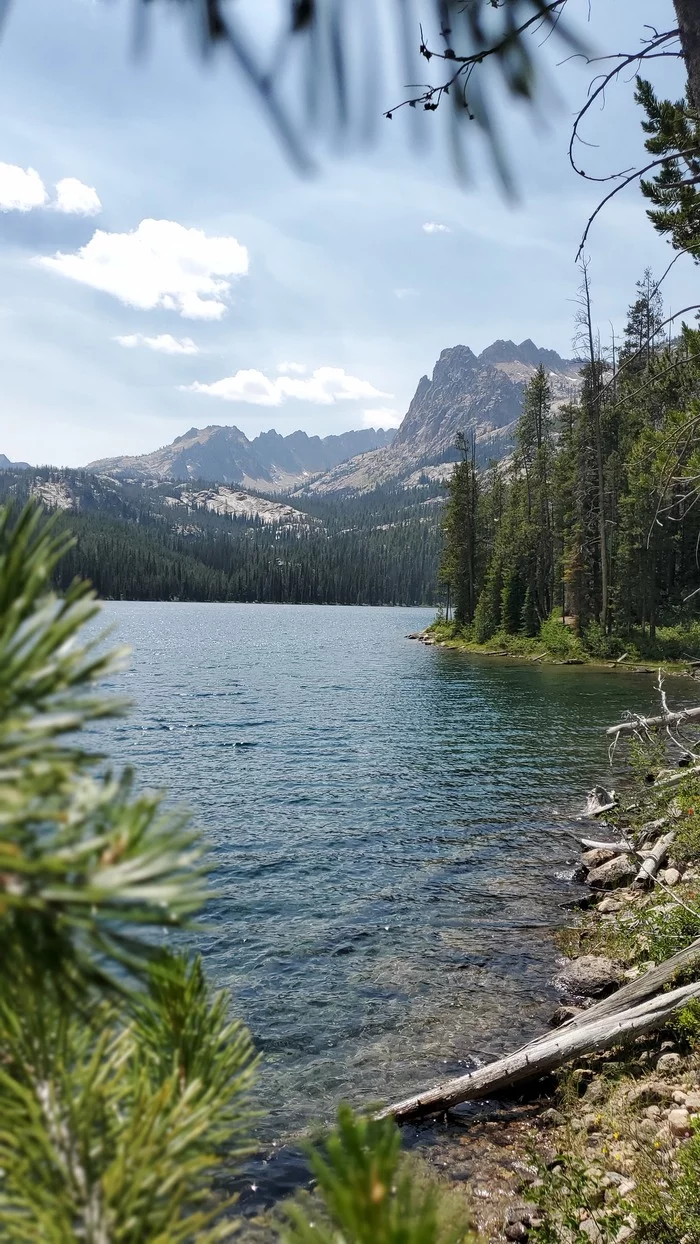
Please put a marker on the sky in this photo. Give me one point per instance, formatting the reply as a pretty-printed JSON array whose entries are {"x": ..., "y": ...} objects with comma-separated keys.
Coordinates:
[{"x": 164, "y": 265}]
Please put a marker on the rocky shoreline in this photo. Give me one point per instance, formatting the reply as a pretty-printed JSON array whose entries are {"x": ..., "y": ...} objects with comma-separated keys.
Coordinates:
[{"x": 594, "y": 1154}]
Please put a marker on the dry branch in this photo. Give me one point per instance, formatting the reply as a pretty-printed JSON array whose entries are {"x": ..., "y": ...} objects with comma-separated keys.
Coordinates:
[
  {"x": 589, "y": 1034},
  {"x": 645, "y": 723}
]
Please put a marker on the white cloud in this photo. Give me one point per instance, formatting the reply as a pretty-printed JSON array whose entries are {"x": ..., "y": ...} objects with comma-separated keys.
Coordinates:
[
  {"x": 432, "y": 226},
  {"x": 21, "y": 189},
  {"x": 406, "y": 291},
  {"x": 75, "y": 198},
  {"x": 164, "y": 343},
  {"x": 292, "y": 369},
  {"x": 381, "y": 417},
  {"x": 324, "y": 387},
  {"x": 159, "y": 264}
]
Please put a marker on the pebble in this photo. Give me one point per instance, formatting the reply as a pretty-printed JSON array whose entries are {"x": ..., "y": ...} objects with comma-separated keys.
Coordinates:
[
  {"x": 591, "y": 1230},
  {"x": 608, "y": 907},
  {"x": 679, "y": 1097},
  {"x": 692, "y": 1101},
  {"x": 516, "y": 1231},
  {"x": 670, "y": 876},
  {"x": 653, "y": 1112},
  {"x": 625, "y": 1233},
  {"x": 595, "y": 1092},
  {"x": 668, "y": 1062},
  {"x": 626, "y": 1187},
  {"x": 552, "y": 1118},
  {"x": 679, "y": 1122}
]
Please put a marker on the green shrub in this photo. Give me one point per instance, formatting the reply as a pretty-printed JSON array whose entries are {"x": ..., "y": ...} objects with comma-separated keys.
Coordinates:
[
  {"x": 559, "y": 639},
  {"x": 667, "y": 1208}
]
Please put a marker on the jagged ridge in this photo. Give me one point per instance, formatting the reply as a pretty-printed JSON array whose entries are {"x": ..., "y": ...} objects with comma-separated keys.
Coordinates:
[{"x": 225, "y": 455}]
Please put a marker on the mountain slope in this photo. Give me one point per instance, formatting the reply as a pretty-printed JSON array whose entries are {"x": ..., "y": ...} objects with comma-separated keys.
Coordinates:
[
  {"x": 466, "y": 393},
  {"x": 225, "y": 455}
]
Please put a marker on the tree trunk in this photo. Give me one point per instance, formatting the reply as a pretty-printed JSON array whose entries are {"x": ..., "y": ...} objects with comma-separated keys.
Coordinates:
[{"x": 688, "y": 14}]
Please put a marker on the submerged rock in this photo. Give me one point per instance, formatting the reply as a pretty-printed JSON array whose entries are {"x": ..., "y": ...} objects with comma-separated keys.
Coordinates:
[{"x": 590, "y": 976}]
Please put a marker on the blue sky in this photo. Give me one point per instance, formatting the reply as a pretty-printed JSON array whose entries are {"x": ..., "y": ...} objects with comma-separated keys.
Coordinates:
[{"x": 260, "y": 297}]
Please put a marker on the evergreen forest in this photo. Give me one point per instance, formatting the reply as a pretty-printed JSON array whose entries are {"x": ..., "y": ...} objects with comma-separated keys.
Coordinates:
[
  {"x": 132, "y": 543},
  {"x": 593, "y": 522}
]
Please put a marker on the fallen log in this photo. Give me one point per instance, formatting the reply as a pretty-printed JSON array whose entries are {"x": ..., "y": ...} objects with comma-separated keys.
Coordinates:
[
  {"x": 644, "y": 723},
  {"x": 654, "y": 860},
  {"x": 540, "y": 1057},
  {"x": 622, "y": 658},
  {"x": 645, "y": 986}
]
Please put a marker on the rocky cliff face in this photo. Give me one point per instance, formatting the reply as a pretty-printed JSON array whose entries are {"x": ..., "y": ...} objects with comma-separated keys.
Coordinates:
[
  {"x": 225, "y": 455},
  {"x": 480, "y": 394}
]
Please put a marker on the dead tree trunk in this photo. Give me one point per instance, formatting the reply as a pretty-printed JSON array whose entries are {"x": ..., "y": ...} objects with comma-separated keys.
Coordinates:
[{"x": 546, "y": 1054}]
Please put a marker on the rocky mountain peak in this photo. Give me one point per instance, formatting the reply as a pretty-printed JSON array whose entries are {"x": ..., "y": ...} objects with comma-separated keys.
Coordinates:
[
  {"x": 526, "y": 352},
  {"x": 466, "y": 394}
]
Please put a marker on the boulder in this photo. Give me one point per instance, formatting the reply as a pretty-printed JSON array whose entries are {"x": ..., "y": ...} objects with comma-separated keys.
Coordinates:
[
  {"x": 692, "y": 1102},
  {"x": 589, "y": 1227},
  {"x": 590, "y": 976},
  {"x": 670, "y": 876},
  {"x": 618, "y": 871}
]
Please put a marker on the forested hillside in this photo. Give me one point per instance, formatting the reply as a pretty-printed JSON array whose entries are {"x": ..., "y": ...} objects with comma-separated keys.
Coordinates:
[
  {"x": 595, "y": 520},
  {"x": 160, "y": 543}
]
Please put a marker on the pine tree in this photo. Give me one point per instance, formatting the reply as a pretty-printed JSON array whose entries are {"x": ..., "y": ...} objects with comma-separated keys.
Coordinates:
[{"x": 124, "y": 1084}]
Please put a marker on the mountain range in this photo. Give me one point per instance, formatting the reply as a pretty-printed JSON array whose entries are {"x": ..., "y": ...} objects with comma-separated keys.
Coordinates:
[
  {"x": 224, "y": 455},
  {"x": 479, "y": 394}
]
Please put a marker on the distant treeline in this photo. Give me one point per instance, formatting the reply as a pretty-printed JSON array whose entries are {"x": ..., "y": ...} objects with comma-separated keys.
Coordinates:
[{"x": 382, "y": 548}]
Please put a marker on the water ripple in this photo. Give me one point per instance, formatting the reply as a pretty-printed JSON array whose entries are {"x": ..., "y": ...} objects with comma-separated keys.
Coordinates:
[{"x": 390, "y": 838}]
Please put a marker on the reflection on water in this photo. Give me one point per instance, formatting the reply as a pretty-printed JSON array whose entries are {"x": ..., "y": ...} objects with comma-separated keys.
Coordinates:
[{"x": 390, "y": 828}]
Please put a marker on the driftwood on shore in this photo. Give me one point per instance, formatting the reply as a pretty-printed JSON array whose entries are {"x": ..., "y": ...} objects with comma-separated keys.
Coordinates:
[
  {"x": 588, "y": 1034},
  {"x": 653, "y": 861},
  {"x": 620, "y": 848}
]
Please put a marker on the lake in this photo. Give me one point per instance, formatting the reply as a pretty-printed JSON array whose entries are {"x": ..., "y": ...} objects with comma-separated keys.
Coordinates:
[{"x": 391, "y": 830}]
